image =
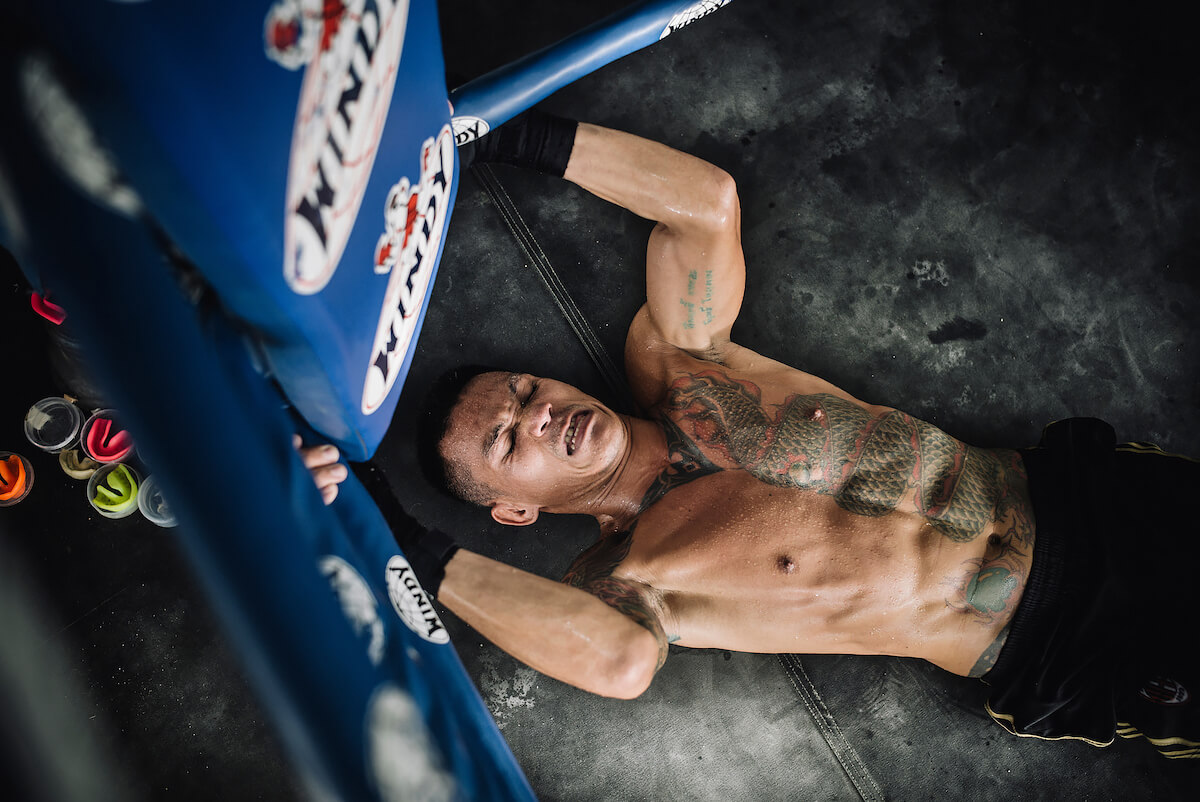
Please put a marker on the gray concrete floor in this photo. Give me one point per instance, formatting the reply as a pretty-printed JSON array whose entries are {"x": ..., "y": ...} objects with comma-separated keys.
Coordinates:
[{"x": 983, "y": 214}]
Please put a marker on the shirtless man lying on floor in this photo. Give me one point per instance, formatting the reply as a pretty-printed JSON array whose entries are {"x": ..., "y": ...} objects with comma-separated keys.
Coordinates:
[{"x": 755, "y": 507}]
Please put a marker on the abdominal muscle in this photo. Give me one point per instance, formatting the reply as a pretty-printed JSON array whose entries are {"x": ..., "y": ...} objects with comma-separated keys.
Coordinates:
[{"x": 785, "y": 571}]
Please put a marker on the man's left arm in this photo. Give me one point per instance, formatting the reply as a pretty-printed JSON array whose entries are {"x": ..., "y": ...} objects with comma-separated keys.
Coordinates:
[{"x": 695, "y": 270}]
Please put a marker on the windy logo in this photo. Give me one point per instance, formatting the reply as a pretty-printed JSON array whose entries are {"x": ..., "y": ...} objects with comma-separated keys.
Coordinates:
[
  {"x": 414, "y": 220},
  {"x": 352, "y": 50}
]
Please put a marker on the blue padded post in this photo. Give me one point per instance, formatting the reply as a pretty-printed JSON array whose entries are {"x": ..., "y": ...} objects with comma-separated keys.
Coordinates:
[
  {"x": 300, "y": 156},
  {"x": 486, "y": 102}
]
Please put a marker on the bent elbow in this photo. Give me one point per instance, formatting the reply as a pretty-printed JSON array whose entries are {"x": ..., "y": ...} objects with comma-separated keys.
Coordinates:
[
  {"x": 709, "y": 204},
  {"x": 630, "y": 673},
  {"x": 725, "y": 208},
  {"x": 630, "y": 685}
]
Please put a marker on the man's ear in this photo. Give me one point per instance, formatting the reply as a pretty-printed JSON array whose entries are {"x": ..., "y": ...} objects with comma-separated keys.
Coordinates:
[{"x": 512, "y": 514}]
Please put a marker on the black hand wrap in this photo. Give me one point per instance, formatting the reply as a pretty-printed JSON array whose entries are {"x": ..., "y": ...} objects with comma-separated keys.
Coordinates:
[
  {"x": 427, "y": 550},
  {"x": 534, "y": 140}
]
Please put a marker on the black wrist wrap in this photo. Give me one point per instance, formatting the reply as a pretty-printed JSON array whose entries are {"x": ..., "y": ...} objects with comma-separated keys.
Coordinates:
[
  {"x": 427, "y": 550},
  {"x": 534, "y": 140}
]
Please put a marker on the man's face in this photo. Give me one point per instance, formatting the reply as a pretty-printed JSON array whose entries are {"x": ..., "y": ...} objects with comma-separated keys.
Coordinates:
[{"x": 538, "y": 443}]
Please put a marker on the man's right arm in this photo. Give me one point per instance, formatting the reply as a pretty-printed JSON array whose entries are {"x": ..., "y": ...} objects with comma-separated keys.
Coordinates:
[
  {"x": 695, "y": 269},
  {"x": 596, "y": 632},
  {"x": 605, "y": 639}
]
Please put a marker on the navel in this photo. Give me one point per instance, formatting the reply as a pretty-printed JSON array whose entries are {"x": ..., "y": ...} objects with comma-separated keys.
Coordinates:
[{"x": 785, "y": 564}]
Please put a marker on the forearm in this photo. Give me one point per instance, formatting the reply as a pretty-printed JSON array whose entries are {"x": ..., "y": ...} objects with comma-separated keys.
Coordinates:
[{"x": 559, "y": 630}]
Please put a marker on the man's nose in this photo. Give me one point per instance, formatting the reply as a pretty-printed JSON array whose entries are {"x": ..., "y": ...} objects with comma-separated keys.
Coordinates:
[{"x": 538, "y": 419}]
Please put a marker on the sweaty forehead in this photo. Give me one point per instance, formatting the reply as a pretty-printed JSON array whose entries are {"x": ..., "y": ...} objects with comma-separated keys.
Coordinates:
[
  {"x": 476, "y": 412},
  {"x": 485, "y": 383}
]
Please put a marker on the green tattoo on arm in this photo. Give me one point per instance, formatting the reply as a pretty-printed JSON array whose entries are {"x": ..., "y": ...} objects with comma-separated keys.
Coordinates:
[{"x": 690, "y": 323}]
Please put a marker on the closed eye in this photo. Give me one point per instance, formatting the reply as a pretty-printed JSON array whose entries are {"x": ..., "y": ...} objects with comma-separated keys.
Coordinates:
[
  {"x": 512, "y": 433},
  {"x": 533, "y": 386}
]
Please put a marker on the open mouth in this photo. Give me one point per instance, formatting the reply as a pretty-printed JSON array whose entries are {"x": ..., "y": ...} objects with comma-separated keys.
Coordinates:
[{"x": 573, "y": 427}]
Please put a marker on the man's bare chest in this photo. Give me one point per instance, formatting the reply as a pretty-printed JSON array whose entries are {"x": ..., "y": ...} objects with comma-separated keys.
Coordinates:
[
  {"x": 715, "y": 422},
  {"x": 871, "y": 464}
]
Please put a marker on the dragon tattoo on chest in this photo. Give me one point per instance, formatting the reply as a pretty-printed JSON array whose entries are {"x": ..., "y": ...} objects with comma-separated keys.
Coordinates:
[{"x": 868, "y": 464}]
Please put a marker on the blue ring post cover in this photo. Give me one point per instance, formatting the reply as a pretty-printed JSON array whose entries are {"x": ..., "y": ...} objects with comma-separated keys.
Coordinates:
[{"x": 299, "y": 154}]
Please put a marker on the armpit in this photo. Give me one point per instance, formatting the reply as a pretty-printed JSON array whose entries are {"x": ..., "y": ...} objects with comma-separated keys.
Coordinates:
[
  {"x": 600, "y": 559},
  {"x": 713, "y": 353}
]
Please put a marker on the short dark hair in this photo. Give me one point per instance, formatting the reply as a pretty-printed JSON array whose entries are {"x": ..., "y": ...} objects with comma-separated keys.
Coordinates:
[{"x": 448, "y": 476}]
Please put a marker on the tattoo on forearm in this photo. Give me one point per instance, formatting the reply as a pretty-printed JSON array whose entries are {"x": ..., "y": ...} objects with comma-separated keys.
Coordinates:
[
  {"x": 869, "y": 465},
  {"x": 592, "y": 572}
]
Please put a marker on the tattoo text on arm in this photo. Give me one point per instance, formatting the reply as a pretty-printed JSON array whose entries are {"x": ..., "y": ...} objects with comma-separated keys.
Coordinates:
[{"x": 705, "y": 302}]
